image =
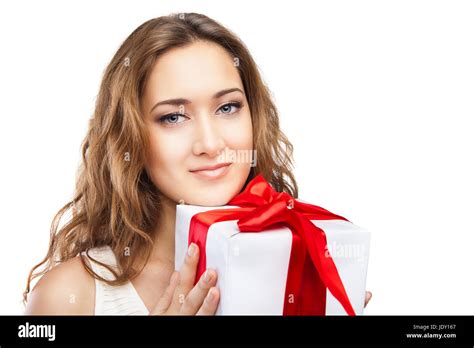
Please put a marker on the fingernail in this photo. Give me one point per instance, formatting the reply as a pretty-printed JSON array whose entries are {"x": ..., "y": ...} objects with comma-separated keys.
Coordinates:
[
  {"x": 206, "y": 277},
  {"x": 210, "y": 296},
  {"x": 192, "y": 249}
]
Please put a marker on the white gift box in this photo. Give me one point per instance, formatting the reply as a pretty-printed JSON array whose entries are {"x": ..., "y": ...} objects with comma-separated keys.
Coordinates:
[{"x": 252, "y": 267}]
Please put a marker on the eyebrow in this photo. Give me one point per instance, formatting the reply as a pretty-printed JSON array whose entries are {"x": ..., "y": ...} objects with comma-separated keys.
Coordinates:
[{"x": 182, "y": 101}]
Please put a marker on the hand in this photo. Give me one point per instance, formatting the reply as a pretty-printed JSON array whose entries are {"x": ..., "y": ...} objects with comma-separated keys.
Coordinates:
[
  {"x": 181, "y": 298},
  {"x": 368, "y": 296}
]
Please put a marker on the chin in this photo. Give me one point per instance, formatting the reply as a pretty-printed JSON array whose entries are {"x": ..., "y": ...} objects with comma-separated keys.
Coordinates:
[
  {"x": 209, "y": 196},
  {"x": 209, "y": 201},
  {"x": 212, "y": 194}
]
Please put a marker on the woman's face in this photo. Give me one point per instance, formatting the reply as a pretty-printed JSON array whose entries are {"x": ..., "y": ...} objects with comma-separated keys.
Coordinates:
[{"x": 198, "y": 117}]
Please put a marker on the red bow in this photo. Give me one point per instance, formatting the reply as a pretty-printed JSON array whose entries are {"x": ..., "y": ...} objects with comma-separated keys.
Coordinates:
[{"x": 261, "y": 207}]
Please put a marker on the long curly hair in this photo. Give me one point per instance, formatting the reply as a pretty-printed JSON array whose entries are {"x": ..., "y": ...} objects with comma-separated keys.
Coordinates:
[{"x": 115, "y": 203}]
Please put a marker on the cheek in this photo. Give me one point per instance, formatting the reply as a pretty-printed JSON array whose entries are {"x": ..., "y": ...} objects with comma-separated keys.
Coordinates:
[
  {"x": 165, "y": 154},
  {"x": 239, "y": 136},
  {"x": 166, "y": 164}
]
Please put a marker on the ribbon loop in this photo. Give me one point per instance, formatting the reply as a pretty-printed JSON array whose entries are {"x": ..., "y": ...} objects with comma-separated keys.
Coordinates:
[{"x": 263, "y": 217}]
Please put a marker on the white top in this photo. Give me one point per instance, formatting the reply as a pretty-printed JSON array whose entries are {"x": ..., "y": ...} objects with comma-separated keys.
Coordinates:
[{"x": 113, "y": 300}]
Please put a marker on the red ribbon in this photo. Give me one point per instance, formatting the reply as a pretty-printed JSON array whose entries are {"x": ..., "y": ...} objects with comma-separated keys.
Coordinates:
[{"x": 261, "y": 208}]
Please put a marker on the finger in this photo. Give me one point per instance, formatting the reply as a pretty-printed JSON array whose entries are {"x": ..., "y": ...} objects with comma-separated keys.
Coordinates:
[
  {"x": 165, "y": 300},
  {"x": 196, "y": 296},
  {"x": 368, "y": 296},
  {"x": 209, "y": 305},
  {"x": 187, "y": 274}
]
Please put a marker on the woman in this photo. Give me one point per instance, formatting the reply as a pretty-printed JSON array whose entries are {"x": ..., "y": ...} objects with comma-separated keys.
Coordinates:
[{"x": 180, "y": 90}]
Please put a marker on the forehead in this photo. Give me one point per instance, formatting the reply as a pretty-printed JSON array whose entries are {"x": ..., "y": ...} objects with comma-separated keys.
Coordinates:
[{"x": 196, "y": 70}]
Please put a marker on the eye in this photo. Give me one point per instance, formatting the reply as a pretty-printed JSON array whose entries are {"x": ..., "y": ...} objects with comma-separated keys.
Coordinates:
[
  {"x": 227, "y": 108},
  {"x": 171, "y": 118}
]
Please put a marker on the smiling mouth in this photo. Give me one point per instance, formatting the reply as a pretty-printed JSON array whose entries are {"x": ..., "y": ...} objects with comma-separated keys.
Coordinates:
[{"x": 212, "y": 173}]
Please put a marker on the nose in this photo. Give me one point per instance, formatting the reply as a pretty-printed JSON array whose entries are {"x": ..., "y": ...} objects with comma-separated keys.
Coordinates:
[{"x": 208, "y": 138}]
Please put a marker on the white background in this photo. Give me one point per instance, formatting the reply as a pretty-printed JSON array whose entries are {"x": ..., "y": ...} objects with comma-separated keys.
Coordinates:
[{"x": 376, "y": 96}]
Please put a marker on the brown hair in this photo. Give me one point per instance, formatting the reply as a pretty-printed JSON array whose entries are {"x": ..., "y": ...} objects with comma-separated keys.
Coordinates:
[{"x": 115, "y": 202}]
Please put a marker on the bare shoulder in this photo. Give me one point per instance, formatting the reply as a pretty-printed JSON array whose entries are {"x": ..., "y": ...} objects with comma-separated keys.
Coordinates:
[{"x": 66, "y": 289}]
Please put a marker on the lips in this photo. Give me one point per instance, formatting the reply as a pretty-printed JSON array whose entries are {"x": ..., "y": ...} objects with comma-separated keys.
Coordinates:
[{"x": 212, "y": 172}]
